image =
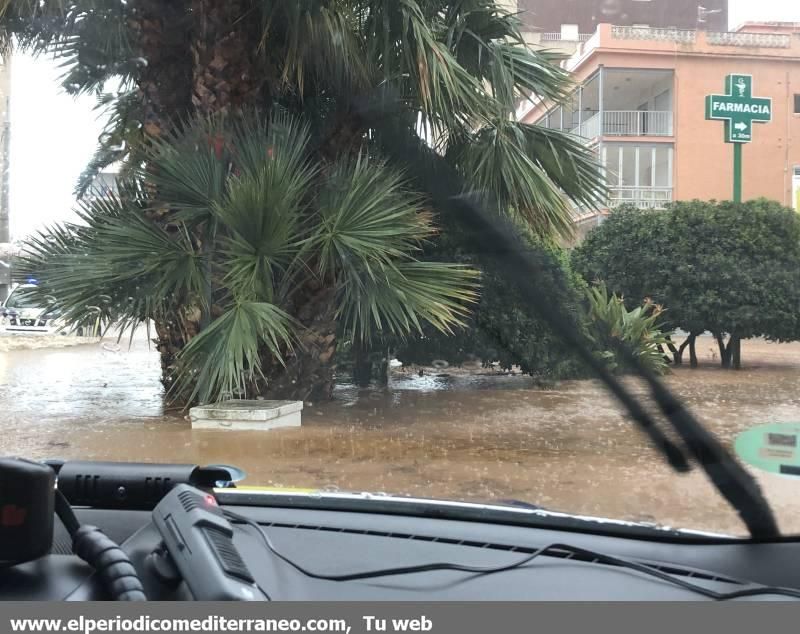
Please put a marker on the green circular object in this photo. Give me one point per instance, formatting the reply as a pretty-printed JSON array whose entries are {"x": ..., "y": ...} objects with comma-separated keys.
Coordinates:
[{"x": 774, "y": 447}]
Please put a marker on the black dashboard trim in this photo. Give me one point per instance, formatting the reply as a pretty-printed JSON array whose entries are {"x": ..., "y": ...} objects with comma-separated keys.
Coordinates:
[{"x": 491, "y": 515}]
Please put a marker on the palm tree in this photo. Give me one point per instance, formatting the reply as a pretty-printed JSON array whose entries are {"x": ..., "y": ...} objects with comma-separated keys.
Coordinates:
[
  {"x": 360, "y": 75},
  {"x": 276, "y": 225}
]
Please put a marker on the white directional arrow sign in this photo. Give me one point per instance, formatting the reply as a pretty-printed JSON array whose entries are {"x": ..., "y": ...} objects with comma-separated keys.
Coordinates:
[{"x": 740, "y": 126}]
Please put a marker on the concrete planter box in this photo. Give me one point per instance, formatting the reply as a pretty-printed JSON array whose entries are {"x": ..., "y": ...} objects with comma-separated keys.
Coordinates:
[{"x": 247, "y": 415}]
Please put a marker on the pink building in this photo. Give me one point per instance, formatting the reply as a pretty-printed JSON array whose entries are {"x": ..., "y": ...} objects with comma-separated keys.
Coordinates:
[{"x": 640, "y": 104}]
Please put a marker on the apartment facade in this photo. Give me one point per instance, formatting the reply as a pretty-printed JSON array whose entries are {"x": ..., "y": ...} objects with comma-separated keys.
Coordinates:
[{"x": 640, "y": 104}]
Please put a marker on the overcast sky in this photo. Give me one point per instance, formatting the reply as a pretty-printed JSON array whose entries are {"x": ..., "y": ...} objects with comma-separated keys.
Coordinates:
[{"x": 53, "y": 135}]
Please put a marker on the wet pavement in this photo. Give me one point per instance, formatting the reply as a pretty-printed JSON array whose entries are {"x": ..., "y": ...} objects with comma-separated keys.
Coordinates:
[{"x": 457, "y": 436}]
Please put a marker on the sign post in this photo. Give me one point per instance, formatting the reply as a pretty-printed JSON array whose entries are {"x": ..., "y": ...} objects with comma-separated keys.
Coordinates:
[{"x": 739, "y": 109}]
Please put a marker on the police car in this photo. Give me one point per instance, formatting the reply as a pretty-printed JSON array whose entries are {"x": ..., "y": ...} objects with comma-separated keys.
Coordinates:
[{"x": 21, "y": 313}]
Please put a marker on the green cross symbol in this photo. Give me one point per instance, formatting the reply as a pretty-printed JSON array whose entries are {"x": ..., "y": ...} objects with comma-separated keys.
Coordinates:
[{"x": 738, "y": 108}]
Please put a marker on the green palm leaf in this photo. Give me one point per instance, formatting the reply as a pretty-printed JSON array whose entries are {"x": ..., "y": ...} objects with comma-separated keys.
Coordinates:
[
  {"x": 315, "y": 41},
  {"x": 530, "y": 171},
  {"x": 569, "y": 164},
  {"x": 263, "y": 215},
  {"x": 416, "y": 62},
  {"x": 116, "y": 263},
  {"x": 487, "y": 40},
  {"x": 397, "y": 299},
  {"x": 189, "y": 167},
  {"x": 226, "y": 358},
  {"x": 121, "y": 135},
  {"x": 366, "y": 217}
]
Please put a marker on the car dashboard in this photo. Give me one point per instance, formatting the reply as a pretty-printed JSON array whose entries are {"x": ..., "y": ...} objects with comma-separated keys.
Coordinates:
[{"x": 332, "y": 542}]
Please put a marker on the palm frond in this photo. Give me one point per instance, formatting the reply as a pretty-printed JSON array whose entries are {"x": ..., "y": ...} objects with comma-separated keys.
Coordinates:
[
  {"x": 115, "y": 262},
  {"x": 89, "y": 38},
  {"x": 366, "y": 217},
  {"x": 487, "y": 40},
  {"x": 315, "y": 40},
  {"x": 31, "y": 25},
  {"x": 530, "y": 72},
  {"x": 263, "y": 215},
  {"x": 122, "y": 136},
  {"x": 531, "y": 172},
  {"x": 568, "y": 163},
  {"x": 225, "y": 358},
  {"x": 495, "y": 162},
  {"x": 417, "y": 63},
  {"x": 189, "y": 167},
  {"x": 280, "y": 143},
  {"x": 396, "y": 299}
]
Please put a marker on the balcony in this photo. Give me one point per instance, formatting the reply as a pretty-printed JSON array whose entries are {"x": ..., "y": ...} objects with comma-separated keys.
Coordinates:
[
  {"x": 617, "y": 102},
  {"x": 562, "y": 37},
  {"x": 627, "y": 123},
  {"x": 637, "y": 123},
  {"x": 641, "y": 197},
  {"x": 712, "y": 38},
  {"x": 664, "y": 40}
]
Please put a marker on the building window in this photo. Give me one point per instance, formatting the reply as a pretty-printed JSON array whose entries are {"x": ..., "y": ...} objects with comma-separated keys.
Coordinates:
[
  {"x": 797, "y": 104},
  {"x": 796, "y": 189},
  {"x": 638, "y": 174}
]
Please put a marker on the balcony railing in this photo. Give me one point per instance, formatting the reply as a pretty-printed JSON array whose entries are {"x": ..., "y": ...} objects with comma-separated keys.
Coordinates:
[
  {"x": 740, "y": 38},
  {"x": 642, "y": 197},
  {"x": 682, "y": 36},
  {"x": 627, "y": 123},
  {"x": 637, "y": 123},
  {"x": 559, "y": 37},
  {"x": 714, "y": 38}
]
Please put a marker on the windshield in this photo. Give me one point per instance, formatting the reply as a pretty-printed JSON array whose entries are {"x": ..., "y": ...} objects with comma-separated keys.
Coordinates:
[
  {"x": 19, "y": 299},
  {"x": 465, "y": 251}
]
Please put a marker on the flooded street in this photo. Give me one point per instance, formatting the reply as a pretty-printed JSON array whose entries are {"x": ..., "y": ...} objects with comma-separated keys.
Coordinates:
[{"x": 463, "y": 437}]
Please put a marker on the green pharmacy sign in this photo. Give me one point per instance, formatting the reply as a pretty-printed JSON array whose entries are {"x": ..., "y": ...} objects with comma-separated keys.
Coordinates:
[{"x": 738, "y": 108}]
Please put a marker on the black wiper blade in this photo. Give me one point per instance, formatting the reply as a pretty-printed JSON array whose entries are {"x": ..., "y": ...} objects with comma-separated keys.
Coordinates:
[
  {"x": 525, "y": 267},
  {"x": 728, "y": 476},
  {"x": 493, "y": 234}
]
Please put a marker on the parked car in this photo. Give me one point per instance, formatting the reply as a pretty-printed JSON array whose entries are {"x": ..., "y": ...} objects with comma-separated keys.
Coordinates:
[{"x": 21, "y": 313}]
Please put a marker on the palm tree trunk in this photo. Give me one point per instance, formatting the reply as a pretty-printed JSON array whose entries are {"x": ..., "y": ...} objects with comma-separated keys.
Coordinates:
[
  {"x": 309, "y": 371},
  {"x": 225, "y": 76},
  {"x": 165, "y": 64},
  {"x": 199, "y": 57},
  {"x": 173, "y": 332},
  {"x": 164, "y": 80},
  {"x": 362, "y": 364}
]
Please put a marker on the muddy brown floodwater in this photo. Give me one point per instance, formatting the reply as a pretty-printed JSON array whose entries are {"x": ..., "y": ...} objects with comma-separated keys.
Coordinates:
[{"x": 460, "y": 436}]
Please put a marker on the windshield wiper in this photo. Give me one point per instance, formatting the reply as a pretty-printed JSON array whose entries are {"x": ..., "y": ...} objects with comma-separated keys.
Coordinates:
[
  {"x": 526, "y": 268},
  {"x": 493, "y": 234}
]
